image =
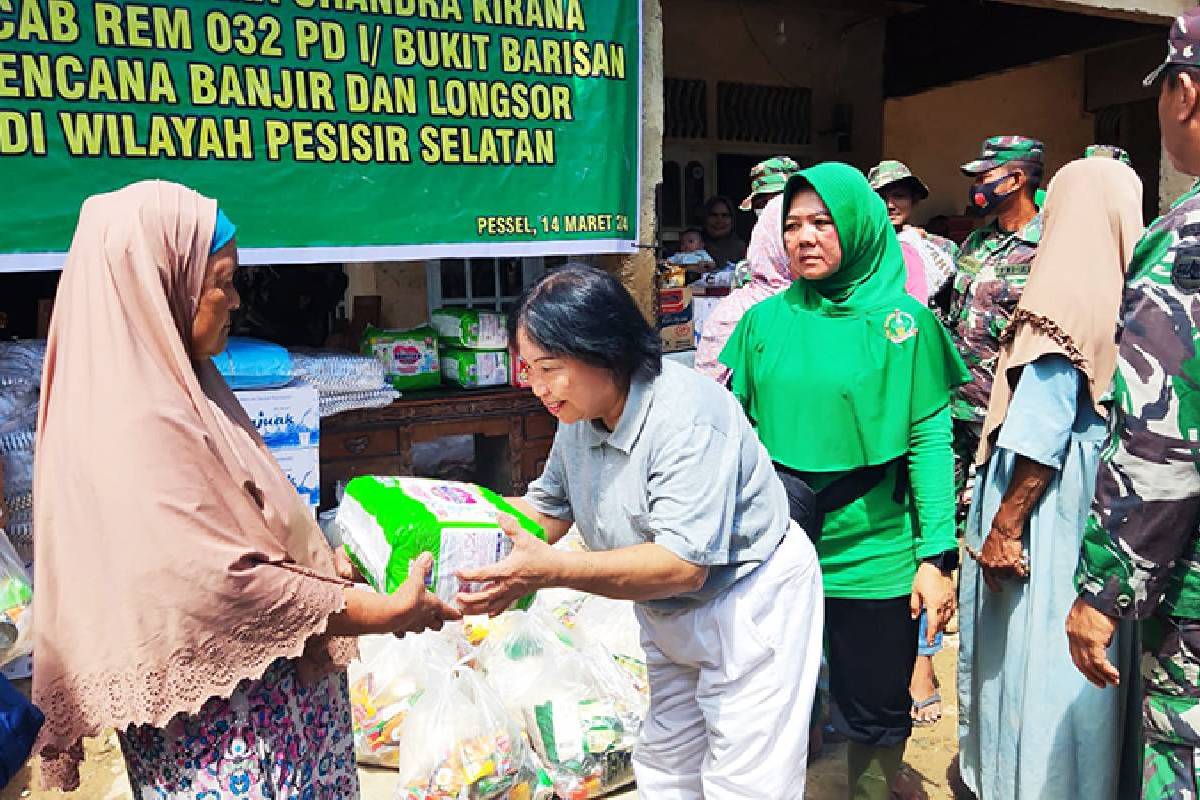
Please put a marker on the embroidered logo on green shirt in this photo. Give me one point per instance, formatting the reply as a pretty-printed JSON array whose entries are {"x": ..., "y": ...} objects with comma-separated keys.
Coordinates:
[{"x": 899, "y": 327}]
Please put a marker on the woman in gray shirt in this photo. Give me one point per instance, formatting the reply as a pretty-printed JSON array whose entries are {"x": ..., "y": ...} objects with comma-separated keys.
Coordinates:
[{"x": 682, "y": 511}]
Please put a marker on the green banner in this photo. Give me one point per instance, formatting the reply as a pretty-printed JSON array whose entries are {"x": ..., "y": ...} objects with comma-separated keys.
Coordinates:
[{"x": 329, "y": 130}]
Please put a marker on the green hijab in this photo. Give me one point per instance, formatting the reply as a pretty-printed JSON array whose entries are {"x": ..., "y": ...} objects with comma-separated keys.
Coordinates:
[{"x": 835, "y": 372}]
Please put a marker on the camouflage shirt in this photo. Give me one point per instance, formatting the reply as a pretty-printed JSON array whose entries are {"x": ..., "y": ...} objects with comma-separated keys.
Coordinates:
[
  {"x": 993, "y": 267},
  {"x": 1141, "y": 546}
]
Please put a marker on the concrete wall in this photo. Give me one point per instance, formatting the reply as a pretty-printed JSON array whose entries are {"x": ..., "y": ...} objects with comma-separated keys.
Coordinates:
[
  {"x": 835, "y": 48},
  {"x": 637, "y": 271},
  {"x": 400, "y": 284},
  {"x": 936, "y": 131}
]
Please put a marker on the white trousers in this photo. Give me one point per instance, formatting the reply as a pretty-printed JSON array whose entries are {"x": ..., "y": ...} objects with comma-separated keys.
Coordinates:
[{"x": 731, "y": 686}]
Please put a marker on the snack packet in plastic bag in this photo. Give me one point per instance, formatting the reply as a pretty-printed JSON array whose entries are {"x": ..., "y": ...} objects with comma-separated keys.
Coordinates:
[
  {"x": 580, "y": 711},
  {"x": 16, "y": 605},
  {"x": 459, "y": 743},
  {"x": 388, "y": 678},
  {"x": 612, "y": 624}
]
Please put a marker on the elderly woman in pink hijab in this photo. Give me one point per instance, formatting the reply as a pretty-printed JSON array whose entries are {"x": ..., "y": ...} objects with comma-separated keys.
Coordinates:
[
  {"x": 769, "y": 275},
  {"x": 185, "y": 595}
]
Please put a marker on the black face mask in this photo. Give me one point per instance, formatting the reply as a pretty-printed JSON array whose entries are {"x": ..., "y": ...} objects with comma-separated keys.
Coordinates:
[{"x": 984, "y": 199}]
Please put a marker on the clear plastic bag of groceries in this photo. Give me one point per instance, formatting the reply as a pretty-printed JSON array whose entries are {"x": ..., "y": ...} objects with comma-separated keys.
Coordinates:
[
  {"x": 388, "y": 678},
  {"x": 613, "y": 625},
  {"x": 580, "y": 711},
  {"x": 16, "y": 605},
  {"x": 459, "y": 743}
]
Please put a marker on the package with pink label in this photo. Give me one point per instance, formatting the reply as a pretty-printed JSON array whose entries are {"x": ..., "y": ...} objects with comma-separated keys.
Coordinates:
[
  {"x": 410, "y": 358},
  {"x": 387, "y": 522}
]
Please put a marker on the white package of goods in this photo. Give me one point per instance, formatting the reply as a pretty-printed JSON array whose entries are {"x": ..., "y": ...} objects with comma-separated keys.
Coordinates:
[
  {"x": 285, "y": 417},
  {"x": 356, "y": 401},
  {"x": 16, "y": 605},
  {"x": 21, "y": 361},
  {"x": 458, "y": 742},
  {"x": 289, "y": 421},
  {"x": 471, "y": 328},
  {"x": 580, "y": 712},
  {"x": 340, "y": 373},
  {"x": 16, "y": 466},
  {"x": 409, "y": 358},
  {"x": 388, "y": 678},
  {"x": 302, "y": 466},
  {"x": 386, "y": 522},
  {"x": 472, "y": 369}
]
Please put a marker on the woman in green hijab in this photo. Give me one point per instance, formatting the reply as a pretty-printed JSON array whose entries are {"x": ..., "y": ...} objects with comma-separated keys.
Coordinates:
[{"x": 847, "y": 380}]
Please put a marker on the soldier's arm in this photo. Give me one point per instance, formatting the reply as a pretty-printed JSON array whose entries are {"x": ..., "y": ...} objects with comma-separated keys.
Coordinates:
[{"x": 1144, "y": 515}]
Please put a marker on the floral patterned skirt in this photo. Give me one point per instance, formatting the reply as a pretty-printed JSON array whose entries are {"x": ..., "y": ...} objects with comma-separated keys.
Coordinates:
[{"x": 274, "y": 739}]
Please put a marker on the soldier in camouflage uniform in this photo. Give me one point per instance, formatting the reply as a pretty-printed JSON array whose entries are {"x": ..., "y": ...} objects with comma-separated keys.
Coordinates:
[
  {"x": 1140, "y": 558},
  {"x": 993, "y": 267}
]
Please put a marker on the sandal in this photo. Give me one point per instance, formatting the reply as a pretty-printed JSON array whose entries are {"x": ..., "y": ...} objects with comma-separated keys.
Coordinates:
[{"x": 919, "y": 705}]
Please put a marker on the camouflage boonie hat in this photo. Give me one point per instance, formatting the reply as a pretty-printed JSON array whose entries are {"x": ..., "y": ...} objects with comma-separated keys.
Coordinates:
[
  {"x": 1183, "y": 45},
  {"x": 1108, "y": 151},
  {"x": 1000, "y": 150},
  {"x": 769, "y": 177},
  {"x": 885, "y": 173}
]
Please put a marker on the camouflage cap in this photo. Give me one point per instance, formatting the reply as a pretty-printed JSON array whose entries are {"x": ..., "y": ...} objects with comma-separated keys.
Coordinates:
[
  {"x": 1183, "y": 45},
  {"x": 1107, "y": 151},
  {"x": 1000, "y": 150},
  {"x": 769, "y": 177},
  {"x": 885, "y": 173}
]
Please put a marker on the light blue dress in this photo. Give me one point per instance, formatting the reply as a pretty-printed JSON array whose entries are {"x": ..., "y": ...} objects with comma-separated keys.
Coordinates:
[{"x": 1030, "y": 725}]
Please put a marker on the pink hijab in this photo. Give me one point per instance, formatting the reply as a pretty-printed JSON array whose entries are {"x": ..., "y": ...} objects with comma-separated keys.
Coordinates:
[
  {"x": 173, "y": 559},
  {"x": 914, "y": 279},
  {"x": 769, "y": 275}
]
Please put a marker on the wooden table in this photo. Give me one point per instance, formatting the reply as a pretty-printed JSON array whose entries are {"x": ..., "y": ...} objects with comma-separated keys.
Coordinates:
[{"x": 512, "y": 429}]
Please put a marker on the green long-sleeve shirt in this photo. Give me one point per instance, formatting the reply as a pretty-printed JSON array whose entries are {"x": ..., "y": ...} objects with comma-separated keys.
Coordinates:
[{"x": 870, "y": 548}]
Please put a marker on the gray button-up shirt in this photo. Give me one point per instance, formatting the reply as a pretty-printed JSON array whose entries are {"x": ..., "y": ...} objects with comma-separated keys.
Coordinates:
[{"x": 683, "y": 469}]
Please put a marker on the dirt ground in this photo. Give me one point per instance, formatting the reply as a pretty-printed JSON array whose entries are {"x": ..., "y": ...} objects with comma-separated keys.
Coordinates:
[{"x": 928, "y": 761}]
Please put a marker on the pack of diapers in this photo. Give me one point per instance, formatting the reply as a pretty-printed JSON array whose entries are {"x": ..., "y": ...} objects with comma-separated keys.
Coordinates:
[{"x": 387, "y": 522}]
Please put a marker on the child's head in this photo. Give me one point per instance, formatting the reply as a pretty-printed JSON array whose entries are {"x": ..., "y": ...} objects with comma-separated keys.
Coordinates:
[{"x": 691, "y": 240}]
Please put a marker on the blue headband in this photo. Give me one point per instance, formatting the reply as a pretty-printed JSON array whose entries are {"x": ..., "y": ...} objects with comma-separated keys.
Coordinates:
[{"x": 223, "y": 232}]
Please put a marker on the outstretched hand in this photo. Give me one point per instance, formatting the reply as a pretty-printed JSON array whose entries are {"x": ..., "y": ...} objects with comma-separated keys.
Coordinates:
[{"x": 532, "y": 565}]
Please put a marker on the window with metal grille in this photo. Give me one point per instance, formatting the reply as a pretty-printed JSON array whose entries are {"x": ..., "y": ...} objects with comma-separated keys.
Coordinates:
[
  {"x": 685, "y": 108},
  {"x": 493, "y": 283},
  {"x": 748, "y": 112}
]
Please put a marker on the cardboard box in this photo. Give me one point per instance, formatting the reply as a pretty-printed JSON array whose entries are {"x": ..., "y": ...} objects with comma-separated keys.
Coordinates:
[
  {"x": 677, "y": 337},
  {"x": 674, "y": 301},
  {"x": 302, "y": 465},
  {"x": 520, "y": 370},
  {"x": 702, "y": 308},
  {"x": 286, "y": 417},
  {"x": 289, "y": 420}
]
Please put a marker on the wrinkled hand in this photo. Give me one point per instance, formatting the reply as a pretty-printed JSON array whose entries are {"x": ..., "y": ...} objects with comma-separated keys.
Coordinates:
[
  {"x": 345, "y": 567},
  {"x": 1089, "y": 632},
  {"x": 530, "y": 566},
  {"x": 933, "y": 590},
  {"x": 1002, "y": 556},
  {"x": 417, "y": 609}
]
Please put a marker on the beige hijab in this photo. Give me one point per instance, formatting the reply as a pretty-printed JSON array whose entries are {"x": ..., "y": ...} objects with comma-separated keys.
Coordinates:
[
  {"x": 173, "y": 559},
  {"x": 1073, "y": 299}
]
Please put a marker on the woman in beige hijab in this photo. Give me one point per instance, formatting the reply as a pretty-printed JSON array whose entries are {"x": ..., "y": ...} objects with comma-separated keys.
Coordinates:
[
  {"x": 186, "y": 598},
  {"x": 1030, "y": 724}
]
